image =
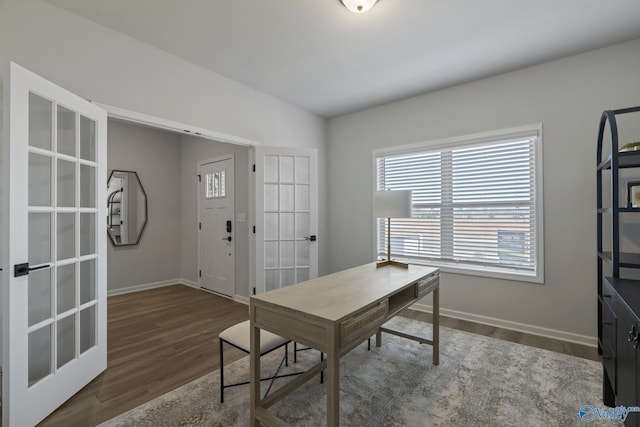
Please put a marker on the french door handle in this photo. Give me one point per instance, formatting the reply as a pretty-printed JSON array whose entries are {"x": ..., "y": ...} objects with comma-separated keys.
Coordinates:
[
  {"x": 311, "y": 238},
  {"x": 24, "y": 269},
  {"x": 228, "y": 239}
]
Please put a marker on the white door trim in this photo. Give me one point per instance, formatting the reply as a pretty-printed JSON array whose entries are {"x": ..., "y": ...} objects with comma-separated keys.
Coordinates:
[
  {"x": 131, "y": 116},
  {"x": 231, "y": 157},
  {"x": 162, "y": 123}
]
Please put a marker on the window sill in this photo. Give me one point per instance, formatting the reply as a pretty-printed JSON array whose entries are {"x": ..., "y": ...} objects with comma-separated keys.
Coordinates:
[{"x": 479, "y": 271}]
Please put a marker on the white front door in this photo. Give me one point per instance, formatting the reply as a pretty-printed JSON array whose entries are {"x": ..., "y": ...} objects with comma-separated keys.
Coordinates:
[
  {"x": 217, "y": 227},
  {"x": 54, "y": 253},
  {"x": 286, "y": 186}
]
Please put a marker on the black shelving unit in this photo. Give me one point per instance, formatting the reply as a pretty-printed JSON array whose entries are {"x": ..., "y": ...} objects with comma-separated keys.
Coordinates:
[{"x": 618, "y": 296}]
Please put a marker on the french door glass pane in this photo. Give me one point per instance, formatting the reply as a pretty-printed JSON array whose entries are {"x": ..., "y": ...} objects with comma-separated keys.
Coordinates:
[
  {"x": 39, "y": 296},
  {"x": 87, "y": 231},
  {"x": 271, "y": 279},
  {"x": 271, "y": 255},
  {"x": 286, "y": 254},
  {"x": 39, "y": 238},
  {"x": 66, "y": 285},
  {"x": 286, "y": 226},
  {"x": 66, "y": 233},
  {"x": 39, "y": 354},
  {"x": 87, "y": 139},
  {"x": 66, "y": 335},
  {"x": 87, "y": 186},
  {"x": 302, "y": 198},
  {"x": 302, "y": 253},
  {"x": 87, "y": 281},
  {"x": 66, "y": 131},
  {"x": 39, "y": 180},
  {"x": 302, "y": 170},
  {"x": 286, "y": 197},
  {"x": 87, "y": 328},
  {"x": 40, "y": 126},
  {"x": 286, "y": 169},
  {"x": 66, "y": 183},
  {"x": 287, "y": 277},
  {"x": 271, "y": 226},
  {"x": 302, "y": 274},
  {"x": 302, "y": 225},
  {"x": 271, "y": 197},
  {"x": 271, "y": 169}
]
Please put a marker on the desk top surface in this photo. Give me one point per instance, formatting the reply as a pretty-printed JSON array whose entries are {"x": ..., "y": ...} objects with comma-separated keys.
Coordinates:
[{"x": 337, "y": 295}]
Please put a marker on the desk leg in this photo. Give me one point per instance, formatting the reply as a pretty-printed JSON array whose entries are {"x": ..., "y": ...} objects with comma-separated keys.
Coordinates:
[
  {"x": 254, "y": 371},
  {"x": 333, "y": 380},
  {"x": 436, "y": 326}
]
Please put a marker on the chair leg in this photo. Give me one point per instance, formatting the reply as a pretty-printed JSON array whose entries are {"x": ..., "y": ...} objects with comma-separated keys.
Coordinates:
[
  {"x": 295, "y": 352},
  {"x": 369, "y": 343},
  {"x": 321, "y": 372},
  {"x": 286, "y": 354},
  {"x": 221, "y": 374}
]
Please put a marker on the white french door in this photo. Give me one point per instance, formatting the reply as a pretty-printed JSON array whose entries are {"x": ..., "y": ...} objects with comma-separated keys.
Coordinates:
[
  {"x": 286, "y": 187},
  {"x": 54, "y": 256}
]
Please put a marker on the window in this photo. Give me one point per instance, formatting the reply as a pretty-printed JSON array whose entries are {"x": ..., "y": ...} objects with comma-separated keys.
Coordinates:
[
  {"x": 215, "y": 185},
  {"x": 476, "y": 203}
]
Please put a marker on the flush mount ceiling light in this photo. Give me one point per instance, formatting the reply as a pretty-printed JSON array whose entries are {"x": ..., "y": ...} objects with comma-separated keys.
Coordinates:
[{"x": 358, "y": 6}]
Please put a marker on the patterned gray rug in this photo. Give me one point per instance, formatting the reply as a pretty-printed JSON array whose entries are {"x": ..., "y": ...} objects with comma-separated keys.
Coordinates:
[{"x": 480, "y": 381}]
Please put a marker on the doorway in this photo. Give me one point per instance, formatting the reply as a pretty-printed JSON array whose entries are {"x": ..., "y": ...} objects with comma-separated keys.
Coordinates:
[{"x": 216, "y": 213}]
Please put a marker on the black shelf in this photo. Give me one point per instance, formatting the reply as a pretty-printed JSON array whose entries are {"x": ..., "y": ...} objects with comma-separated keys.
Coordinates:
[
  {"x": 620, "y": 378},
  {"x": 626, "y": 260},
  {"x": 626, "y": 159}
]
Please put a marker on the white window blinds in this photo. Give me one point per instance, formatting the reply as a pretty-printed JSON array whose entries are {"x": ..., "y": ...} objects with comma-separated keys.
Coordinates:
[{"x": 475, "y": 204}]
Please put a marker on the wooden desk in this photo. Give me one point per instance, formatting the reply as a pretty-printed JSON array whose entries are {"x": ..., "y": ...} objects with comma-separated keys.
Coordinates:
[{"x": 334, "y": 314}]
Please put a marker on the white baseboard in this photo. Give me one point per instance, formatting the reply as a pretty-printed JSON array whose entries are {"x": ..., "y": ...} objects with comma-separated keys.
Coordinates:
[
  {"x": 143, "y": 287},
  {"x": 154, "y": 285},
  {"x": 241, "y": 299},
  {"x": 514, "y": 326},
  {"x": 189, "y": 283}
]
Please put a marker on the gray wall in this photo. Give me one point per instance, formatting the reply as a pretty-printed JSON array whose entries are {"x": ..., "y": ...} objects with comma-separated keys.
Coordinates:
[
  {"x": 193, "y": 150},
  {"x": 568, "y": 97},
  {"x": 155, "y": 156}
]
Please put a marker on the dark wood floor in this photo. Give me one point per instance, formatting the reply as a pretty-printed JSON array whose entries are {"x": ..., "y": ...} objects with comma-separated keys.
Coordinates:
[
  {"x": 163, "y": 338},
  {"x": 158, "y": 340}
]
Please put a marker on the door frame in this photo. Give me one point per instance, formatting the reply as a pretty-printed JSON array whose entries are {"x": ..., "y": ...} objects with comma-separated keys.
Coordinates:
[
  {"x": 230, "y": 156},
  {"x": 130, "y": 116}
]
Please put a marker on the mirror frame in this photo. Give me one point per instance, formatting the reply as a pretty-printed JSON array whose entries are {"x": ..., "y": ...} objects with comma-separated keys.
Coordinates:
[{"x": 146, "y": 209}]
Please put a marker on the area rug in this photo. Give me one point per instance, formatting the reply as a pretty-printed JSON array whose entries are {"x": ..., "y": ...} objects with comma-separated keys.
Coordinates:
[{"x": 480, "y": 381}]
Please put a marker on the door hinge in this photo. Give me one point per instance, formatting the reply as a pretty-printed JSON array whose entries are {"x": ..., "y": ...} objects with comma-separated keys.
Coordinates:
[
  {"x": 254, "y": 229},
  {"x": 254, "y": 167},
  {"x": 199, "y": 178},
  {"x": 199, "y": 273},
  {"x": 199, "y": 226},
  {"x": 254, "y": 290}
]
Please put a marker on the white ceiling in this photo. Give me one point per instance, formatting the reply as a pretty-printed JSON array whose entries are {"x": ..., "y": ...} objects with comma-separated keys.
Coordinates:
[{"x": 319, "y": 56}]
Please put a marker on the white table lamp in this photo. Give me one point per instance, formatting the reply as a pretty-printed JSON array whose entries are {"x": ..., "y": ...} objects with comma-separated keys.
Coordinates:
[{"x": 392, "y": 204}]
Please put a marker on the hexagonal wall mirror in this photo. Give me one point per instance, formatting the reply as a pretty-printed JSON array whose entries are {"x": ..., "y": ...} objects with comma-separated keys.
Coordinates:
[{"x": 126, "y": 208}]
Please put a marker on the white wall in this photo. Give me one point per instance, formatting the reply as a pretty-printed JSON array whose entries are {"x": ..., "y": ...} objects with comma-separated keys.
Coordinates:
[
  {"x": 568, "y": 97},
  {"x": 155, "y": 156},
  {"x": 192, "y": 150},
  {"x": 108, "y": 67}
]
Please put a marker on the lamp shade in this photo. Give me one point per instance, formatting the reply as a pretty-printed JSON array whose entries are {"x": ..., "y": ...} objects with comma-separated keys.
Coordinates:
[{"x": 392, "y": 204}]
